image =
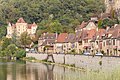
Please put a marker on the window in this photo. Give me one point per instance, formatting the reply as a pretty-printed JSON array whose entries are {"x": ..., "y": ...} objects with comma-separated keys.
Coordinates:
[
  {"x": 86, "y": 41},
  {"x": 103, "y": 43},
  {"x": 97, "y": 42},
  {"x": 107, "y": 42},
  {"x": 113, "y": 42}
]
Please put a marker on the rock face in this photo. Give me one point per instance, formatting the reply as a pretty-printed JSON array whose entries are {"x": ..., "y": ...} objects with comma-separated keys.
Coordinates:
[{"x": 112, "y": 4}]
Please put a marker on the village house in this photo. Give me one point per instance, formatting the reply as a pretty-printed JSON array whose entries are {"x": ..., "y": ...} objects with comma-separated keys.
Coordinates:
[
  {"x": 97, "y": 41},
  {"x": 19, "y": 27},
  {"x": 46, "y": 42},
  {"x": 59, "y": 46},
  {"x": 69, "y": 45},
  {"x": 84, "y": 34},
  {"x": 111, "y": 42},
  {"x": 87, "y": 38}
]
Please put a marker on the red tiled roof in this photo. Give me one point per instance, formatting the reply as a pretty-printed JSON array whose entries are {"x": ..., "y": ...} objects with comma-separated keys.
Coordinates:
[
  {"x": 90, "y": 33},
  {"x": 20, "y": 20},
  {"x": 100, "y": 32},
  {"x": 62, "y": 37},
  {"x": 70, "y": 37},
  {"x": 48, "y": 36},
  {"x": 116, "y": 33},
  {"x": 34, "y": 24},
  {"x": 48, "y": 42},
  {"x": 29, "y": 26}
]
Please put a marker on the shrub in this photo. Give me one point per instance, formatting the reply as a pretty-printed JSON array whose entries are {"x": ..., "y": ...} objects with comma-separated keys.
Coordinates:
[
  {"x": 20, "y": 53},
  {"x": 100, "y": 63}
]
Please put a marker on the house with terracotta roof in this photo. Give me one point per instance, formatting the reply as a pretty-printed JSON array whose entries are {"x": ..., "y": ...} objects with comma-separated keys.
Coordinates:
[
  {"x": 87, "y": 38},
  {"x": 69, "y": 44},
  {"x": 59, "y": 46},
  {"x": 46, "y": 42},
  {"x": 97, "y": 41},
  {"x": 111, "y": 42},
  {"x": 19, "y": 27},
  {"x": 86, "y": 26}
]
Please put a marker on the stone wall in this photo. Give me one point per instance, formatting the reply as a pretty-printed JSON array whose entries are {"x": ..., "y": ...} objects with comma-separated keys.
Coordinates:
[{"x": 81, "y": 61}]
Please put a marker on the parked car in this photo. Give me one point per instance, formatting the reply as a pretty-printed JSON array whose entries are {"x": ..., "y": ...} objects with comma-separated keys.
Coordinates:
[
  {"x": 99, "y": 54},
  {"x": 86, "y": 53},
  {"x": 27, "y": 50}
]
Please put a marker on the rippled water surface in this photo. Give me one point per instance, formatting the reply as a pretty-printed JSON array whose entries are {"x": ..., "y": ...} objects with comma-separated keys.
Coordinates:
[{"x": 37, "y": 71}]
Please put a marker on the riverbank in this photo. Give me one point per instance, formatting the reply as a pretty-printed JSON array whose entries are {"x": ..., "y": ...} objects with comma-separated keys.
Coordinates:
[{"x": 32, "y": 59}]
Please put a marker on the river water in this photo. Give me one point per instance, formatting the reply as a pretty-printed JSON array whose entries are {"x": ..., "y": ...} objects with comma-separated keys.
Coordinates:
[{"x": 20, "y": 70}]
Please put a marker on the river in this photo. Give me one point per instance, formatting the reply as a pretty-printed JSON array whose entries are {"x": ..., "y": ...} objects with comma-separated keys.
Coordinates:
[{"x": 20, "y": 70}]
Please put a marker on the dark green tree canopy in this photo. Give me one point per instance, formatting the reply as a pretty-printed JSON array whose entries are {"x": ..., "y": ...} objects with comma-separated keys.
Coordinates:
[
  {"x": 38, "y": 10},
  {"x": 50, "y": 15}
]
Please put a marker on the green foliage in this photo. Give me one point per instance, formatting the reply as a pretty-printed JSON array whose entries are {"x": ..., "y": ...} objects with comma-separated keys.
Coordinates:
[
  {"x": 72, "y": 51},
  {"x": 55, "y": 13},
  {"x": 5, "y": 42},
  {"x": 11, "y": 50},
  {"x": 20, "y": 53},
  {"x": 100, "y": 63},
  {"x": 107, "y": 22},
  {"x": 2, "y": 31},
  {"x": 100, "y": 23},
  {"x": 25, "y": 39}
]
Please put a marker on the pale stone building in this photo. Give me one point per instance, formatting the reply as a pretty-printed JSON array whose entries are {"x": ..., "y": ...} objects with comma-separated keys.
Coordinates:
[
  {"x": 46, "y": 42},
  {"x": 59, "y": 46},
  {"x": 19, "y": 27}
]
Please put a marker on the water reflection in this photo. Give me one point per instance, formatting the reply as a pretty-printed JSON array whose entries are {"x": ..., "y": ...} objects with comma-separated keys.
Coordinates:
[{"x": 38, "y": 71}]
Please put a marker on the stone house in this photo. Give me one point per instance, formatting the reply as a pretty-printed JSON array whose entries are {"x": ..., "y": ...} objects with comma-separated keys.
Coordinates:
[
  {"x": 97, "y": 41},
  {"x": 84, "y": 34},
  {"x": 19, "y": 27},
  {"x": 111, "y": 42},
  {"x": 69, "y": 45},
  {"x": 59, "y": 46},
  {"x": 46, "y": 42}
]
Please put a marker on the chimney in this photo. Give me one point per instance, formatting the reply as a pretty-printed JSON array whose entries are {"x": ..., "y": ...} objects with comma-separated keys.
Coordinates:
[
  {"x": 44, "y": 34},
  {"x": 56, "y": 35},
  {"x": 115, "y": 25},
  {"x": 9, "y": 24},
  {"x": 97, "y": 29},
  {"x": 107, "y": 28}
]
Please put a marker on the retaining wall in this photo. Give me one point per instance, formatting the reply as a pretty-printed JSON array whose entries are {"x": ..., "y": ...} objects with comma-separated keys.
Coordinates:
[{"x": 81, "y": 60}]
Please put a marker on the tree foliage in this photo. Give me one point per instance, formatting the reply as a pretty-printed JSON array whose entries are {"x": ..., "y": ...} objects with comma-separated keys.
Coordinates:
[
  {"x": 25, "y": 39},
  {"x": 5, "y": 42},
  {"x": 2, "y": 31},
  {"x": 64, "y": 13}
]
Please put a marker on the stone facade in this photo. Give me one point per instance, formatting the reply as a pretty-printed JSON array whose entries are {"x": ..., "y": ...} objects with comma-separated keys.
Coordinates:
[
  {"x": 19, "y": 27},
  {"x": 81, "y": 61}
]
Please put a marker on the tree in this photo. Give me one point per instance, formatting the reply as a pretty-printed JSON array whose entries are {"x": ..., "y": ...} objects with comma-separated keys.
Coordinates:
[
  {"x": 25, "y": 40},
  {"x": 2, "y": 31},
  {"x": 55, "y": 26},
  {"x": 11, "y": 49},
  {"x": 14, "y": 38},
  {"x": 5, "y": 42},
  {"x": 65, "y": 12}
]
